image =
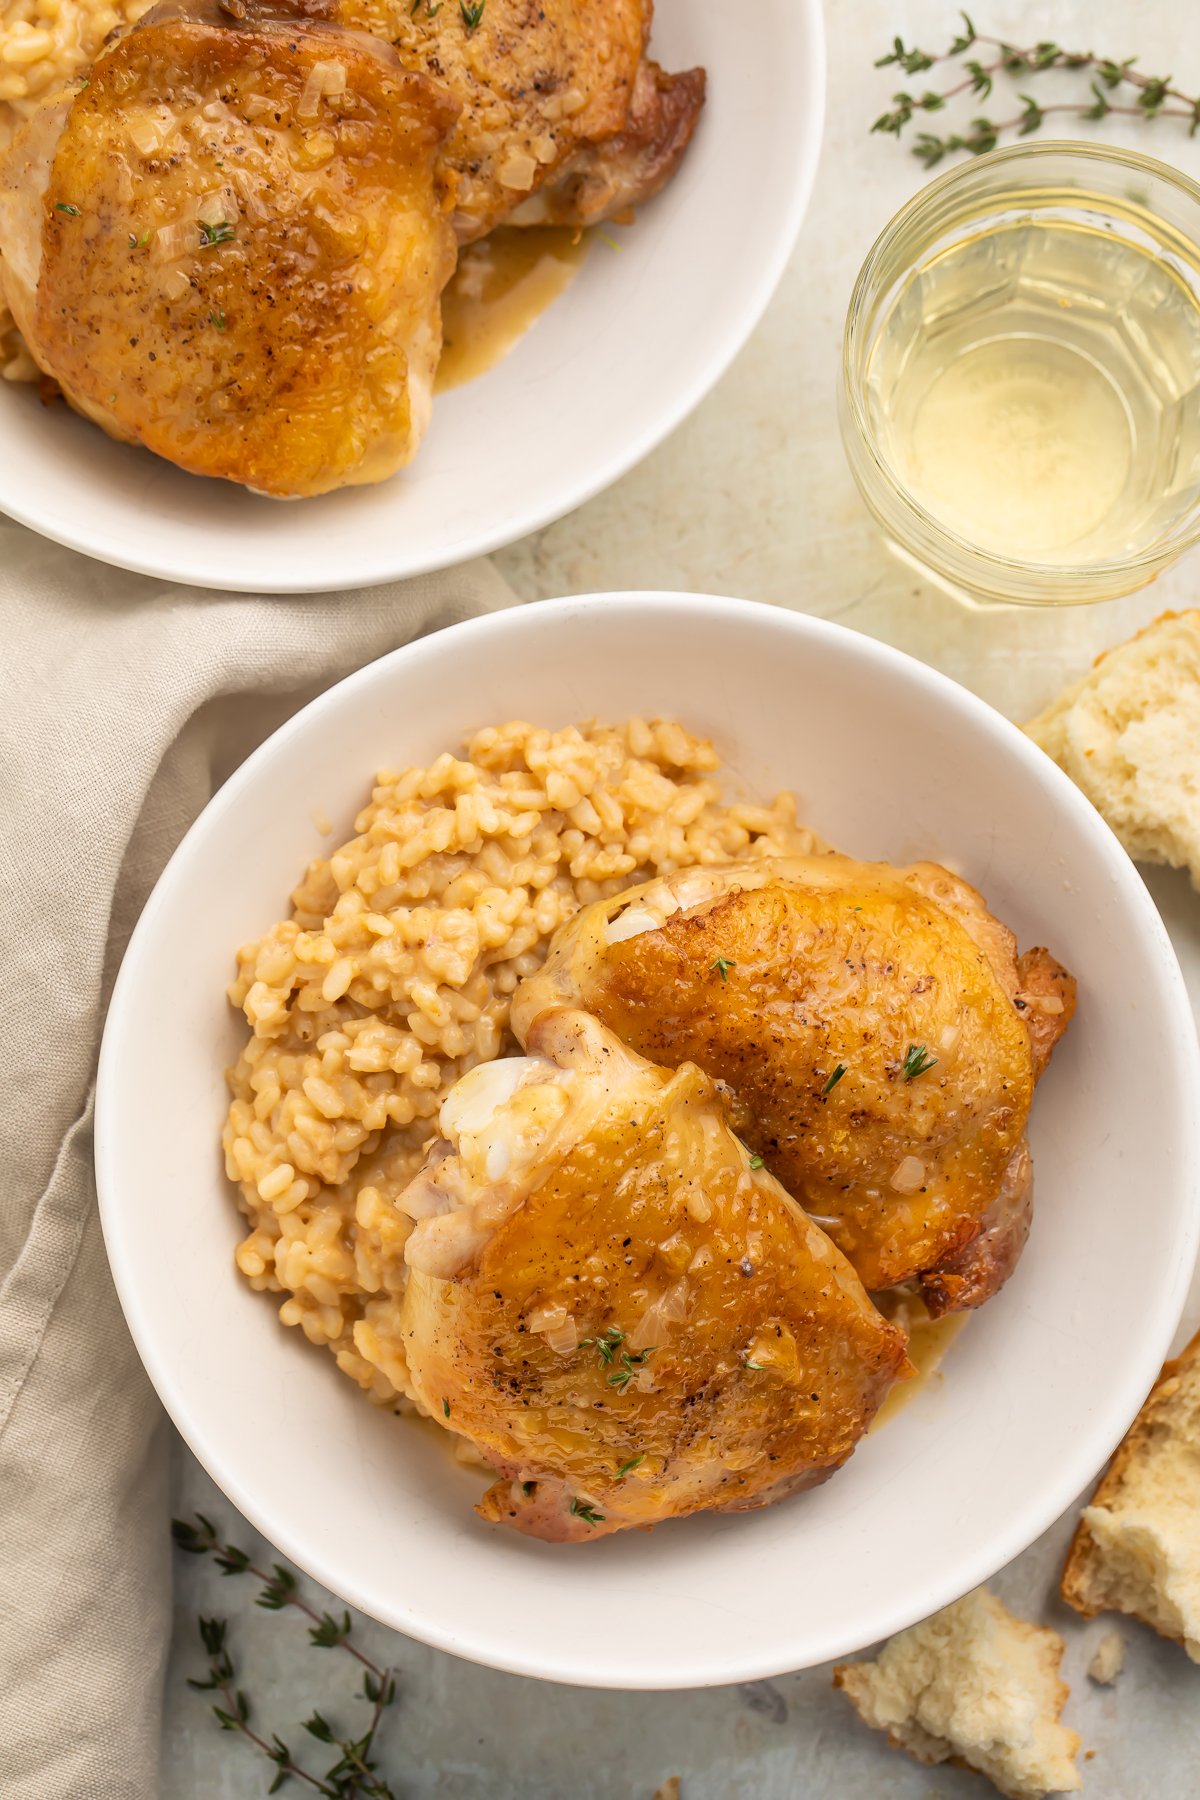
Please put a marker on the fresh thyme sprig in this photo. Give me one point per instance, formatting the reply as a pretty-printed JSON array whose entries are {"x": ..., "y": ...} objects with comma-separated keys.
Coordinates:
[
  {"x": 916, "y": 1061},
  {"x": 630, "y": 1364},
  {"x": 995, "y": 56},
  {"x": 352, "y": 1776},
  {"x": 606, "y": 1344}
]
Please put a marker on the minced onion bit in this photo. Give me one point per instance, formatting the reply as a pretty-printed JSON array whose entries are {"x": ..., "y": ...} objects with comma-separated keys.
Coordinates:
[{"x": 326, "y": 80}]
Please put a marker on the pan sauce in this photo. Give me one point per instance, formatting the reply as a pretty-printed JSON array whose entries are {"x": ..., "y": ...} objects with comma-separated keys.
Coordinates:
[{"x": 502, "y": 284}]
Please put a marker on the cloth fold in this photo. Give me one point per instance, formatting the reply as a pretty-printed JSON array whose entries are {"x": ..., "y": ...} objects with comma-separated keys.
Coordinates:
[{"x": 124, "y": 703}]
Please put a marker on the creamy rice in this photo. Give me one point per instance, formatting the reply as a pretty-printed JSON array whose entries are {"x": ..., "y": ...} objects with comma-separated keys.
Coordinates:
[
  {"x": 394, "y": 973},
  {"x": 43, "y": 43}
]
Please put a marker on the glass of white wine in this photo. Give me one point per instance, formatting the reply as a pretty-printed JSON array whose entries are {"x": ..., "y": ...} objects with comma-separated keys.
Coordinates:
[{"x": 1021, "y": 375}]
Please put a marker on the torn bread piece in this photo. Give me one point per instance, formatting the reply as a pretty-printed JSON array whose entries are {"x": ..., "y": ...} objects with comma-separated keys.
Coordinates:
[
  {"x": 1136, "y": 1548},
  {"x": 977, "y": 1687},
  {"x": 1108, "y": 1659},
  {"x": 1128, "y": 735}
]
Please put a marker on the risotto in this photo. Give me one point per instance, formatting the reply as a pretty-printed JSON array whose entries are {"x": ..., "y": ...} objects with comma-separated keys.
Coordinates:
[
  {"x": 43, "y": 43},
  {"x": 394, "y": 975}
]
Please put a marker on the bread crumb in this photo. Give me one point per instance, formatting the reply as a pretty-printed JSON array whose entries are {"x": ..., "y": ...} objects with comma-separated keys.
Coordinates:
[
  {"x": 1128, "y": 735},
  {"x": 975, "y": 1686},
  {"x": 670, "y": 1789},
  {"x": 1136, "y": 1549},
  {"x": 1108, "y": 1659}
]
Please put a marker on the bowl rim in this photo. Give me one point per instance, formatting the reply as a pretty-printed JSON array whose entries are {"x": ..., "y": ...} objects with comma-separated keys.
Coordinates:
[
  {"x": 596, "y": 479},
  {"x": 1140, "y": 566},
  {"x": 1088, "y": 1451}
]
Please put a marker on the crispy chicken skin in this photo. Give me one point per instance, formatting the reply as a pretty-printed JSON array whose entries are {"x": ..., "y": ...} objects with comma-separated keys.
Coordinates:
[
  {"x": 556, "y": 99},
  {"x": 624, "y": 171},
  {"x": 809, "y": 986},
  {"x": 628, "y": 1320},
  {"x": 230, "y": 246}
]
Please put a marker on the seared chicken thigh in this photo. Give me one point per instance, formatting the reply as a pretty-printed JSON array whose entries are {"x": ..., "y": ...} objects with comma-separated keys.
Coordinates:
[
  {"x": 608, "y": 179},
  {"x": 229, "y": 242},
  {"x": 230, "y": 246},
  {"x": 552, "y": 92},
  {"x": 628, "y": 1318},
  {"x": 876, "y": 1033}
]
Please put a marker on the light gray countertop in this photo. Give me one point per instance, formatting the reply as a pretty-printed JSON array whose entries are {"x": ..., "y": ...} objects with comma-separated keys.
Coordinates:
[{"x": 752, "y": 497}]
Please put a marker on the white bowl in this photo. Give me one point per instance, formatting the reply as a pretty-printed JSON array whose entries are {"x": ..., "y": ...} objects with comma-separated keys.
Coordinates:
[
  {"x": 613, "y": 366},
  {"x": 890, "y": 760}
]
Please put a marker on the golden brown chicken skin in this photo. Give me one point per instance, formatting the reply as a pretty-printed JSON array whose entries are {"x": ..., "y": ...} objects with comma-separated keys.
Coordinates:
[
  {"x": 610, "y": 179},
  {"x": 872, "y": 1026},
  {"x": 548, "y": 91},
  {"x": 230, "y": 246},
  {"x": 629, "y": 1320}
]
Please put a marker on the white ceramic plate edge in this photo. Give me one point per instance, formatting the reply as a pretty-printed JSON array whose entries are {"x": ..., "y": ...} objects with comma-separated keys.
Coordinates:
[{"x": 1044, "y": 1506}]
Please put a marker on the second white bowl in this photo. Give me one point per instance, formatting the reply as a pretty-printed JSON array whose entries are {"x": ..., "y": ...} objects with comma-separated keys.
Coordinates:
[{"x": 889, "y": 760}]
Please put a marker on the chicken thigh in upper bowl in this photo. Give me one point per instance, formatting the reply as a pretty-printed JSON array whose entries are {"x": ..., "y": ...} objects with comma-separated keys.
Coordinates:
[
  {"x": 229, "y": 241},
  {"x": 564, "y": 119},
  {"x": 230, "y": 247}
]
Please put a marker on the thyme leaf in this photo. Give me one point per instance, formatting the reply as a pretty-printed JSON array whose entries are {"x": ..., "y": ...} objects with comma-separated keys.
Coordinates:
[
  {"x": 1140, "y": 96},
  {"x": 215, "y": 234},
  {"x": 916, "y": 1061},
  {"x": 630, "y": 1364},
  {"x": 354, "y": 1775},
  {"x": 605, "y": 1345}
]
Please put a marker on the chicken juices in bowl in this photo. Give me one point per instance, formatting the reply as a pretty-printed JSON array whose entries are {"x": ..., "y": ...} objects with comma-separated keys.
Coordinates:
[{"x": 1038, "y": 1385}]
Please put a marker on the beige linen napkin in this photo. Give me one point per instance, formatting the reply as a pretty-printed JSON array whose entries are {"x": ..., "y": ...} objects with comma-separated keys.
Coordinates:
[{"x": 123, "y": 703}]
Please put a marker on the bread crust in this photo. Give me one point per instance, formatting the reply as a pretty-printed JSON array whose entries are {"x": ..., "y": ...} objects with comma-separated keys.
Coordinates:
[
  {"x": 1128, "y": 735},
  {"x": 1084, "y": 1557},
  {"x": 877, "y": 1692}
]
